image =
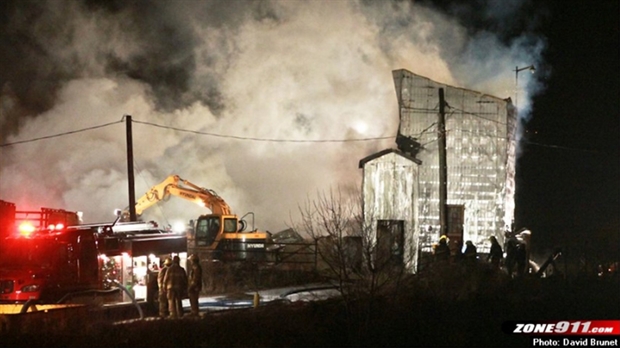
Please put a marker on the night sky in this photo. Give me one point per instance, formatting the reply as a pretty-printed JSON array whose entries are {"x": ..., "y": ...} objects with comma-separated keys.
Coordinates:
[{"x": 569, "y": 174}]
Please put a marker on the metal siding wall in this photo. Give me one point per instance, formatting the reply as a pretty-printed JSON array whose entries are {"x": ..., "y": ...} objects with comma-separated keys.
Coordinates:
[
  {"x": 390, "y": 193},
  {"x": 480, "y": 154}
]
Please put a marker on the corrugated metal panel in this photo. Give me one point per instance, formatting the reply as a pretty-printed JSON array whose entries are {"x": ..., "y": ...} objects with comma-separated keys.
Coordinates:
[
  {"x": 390, "y": 192},
  {"x": 480, "y": 140}
]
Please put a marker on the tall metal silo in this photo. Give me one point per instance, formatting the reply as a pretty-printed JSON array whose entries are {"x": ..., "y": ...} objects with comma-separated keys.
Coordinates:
[{"x": 480, "y": 134}]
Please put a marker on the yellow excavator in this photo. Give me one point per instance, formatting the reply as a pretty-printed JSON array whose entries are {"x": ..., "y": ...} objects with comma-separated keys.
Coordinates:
[{"x": 219, "y": 235}]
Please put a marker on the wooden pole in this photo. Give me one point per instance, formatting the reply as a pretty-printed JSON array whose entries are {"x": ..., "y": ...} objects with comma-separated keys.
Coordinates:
[
  {"x": 130, "y": 174},
  {"x": 443, "y": 166}
]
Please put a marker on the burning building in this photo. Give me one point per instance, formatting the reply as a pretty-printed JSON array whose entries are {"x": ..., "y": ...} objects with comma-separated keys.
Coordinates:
[
  {"x": 480, "y": 150},
  {"x": 480, "y": 140}
]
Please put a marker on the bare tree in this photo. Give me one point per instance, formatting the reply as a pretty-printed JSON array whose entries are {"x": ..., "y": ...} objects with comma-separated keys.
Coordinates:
[{"x": 364, "y": 264}]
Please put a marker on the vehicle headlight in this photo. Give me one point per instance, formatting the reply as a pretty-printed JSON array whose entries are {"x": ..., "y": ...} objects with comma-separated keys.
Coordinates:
[{"x": 31, "y": 288}]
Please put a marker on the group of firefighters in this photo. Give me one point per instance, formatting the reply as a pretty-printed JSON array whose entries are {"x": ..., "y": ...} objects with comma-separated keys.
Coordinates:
[
  {"x": 175, "y": 284},
  {"x": 514, "y": 262}
]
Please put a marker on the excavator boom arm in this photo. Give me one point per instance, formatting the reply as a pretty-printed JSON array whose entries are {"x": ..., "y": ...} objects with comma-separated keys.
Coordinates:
[{"x": 174, "y": 185}]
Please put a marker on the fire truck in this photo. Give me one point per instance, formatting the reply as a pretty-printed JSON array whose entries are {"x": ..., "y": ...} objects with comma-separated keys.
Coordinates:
[
  {"x": 48, "y": 255},
  {"x": 44, "y": 254}
]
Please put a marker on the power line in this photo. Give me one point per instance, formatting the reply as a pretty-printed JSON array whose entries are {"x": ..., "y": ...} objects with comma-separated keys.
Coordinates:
[
  {"x": 261, "y": 139},
  {"x": 558, "y": 147},
  {"x": 426, "y": 129},
  {"x": 59, "y": 134},
  {"x": 198, "y": 133},
  {"x": 475, "y": 115},
  {"x": 428, "y": 142},
  {"x": 477, "y": 133},
  {"x": 277, "y": 140}
]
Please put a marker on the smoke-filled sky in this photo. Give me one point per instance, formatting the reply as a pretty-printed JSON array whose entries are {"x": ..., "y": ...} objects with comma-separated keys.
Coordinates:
[{"x": 251, "y": 72}]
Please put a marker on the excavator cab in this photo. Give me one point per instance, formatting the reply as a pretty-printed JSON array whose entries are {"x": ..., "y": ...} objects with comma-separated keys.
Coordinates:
[
  {"x": 222, "y": 237},
  {"x": 209, "y": 228}
]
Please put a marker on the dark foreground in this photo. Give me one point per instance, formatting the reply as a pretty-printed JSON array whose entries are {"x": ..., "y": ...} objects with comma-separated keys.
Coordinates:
[{"x": 458, "y": 308}]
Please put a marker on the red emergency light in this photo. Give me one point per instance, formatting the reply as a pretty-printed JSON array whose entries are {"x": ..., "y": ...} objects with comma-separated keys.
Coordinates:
[{"x": 26, "y": 228}]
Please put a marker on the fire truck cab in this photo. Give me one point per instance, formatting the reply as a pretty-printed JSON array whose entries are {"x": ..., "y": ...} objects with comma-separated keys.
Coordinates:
[
  {"x": 47, "y": 264},
  {"x": 42, "y": 257}
]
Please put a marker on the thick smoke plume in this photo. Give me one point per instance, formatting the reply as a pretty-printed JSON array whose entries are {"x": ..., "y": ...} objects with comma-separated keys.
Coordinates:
[{"x": 279, "y": 70}]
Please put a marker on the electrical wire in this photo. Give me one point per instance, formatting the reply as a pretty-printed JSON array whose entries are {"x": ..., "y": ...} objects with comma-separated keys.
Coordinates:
[
  {"x": 262, "y": 139},
  {"x": 281, "y": 140},
  {"x": 428, "y": 142},
  {"x": 59, "y": 134},
  {"x": 478, "y": 134},
  {"x": 557, "y": 147},
  {"x": 474, "y": 114},
  {"x": 199, "y": 133},
  {"x": 426, "y": 129}
]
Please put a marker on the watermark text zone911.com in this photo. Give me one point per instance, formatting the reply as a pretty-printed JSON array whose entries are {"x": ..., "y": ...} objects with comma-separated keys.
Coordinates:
[{"x": 564, "y": 328}]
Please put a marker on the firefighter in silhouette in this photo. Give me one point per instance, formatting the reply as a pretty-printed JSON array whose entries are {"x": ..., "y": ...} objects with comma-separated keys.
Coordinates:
[
  {"x": 195, "y": 283},
  {"x": 496, "y": 254},
  {"x": 162, "y": 293},
  {"x": 511, "y": 254},
  {"x": 456, "y": 250},
  {"x": 470, "y": 255},
  {"x": 521, "y": 259},
  {"x": 442, "y": 250},
  {"x": 176, "y": 286}
]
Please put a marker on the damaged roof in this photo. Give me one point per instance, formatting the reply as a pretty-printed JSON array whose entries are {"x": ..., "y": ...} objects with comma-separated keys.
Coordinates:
[{"x": 385, "y": 152}]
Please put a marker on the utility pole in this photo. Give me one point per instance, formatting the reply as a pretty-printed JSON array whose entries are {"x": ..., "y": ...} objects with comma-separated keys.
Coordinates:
[
  {"x": 130, "y": 176},
  {"x": 443, "y": 166}
]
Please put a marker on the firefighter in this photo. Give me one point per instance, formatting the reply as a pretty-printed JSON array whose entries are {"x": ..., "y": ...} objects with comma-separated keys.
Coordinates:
[
  {"x": 457, "y": 250},
  {"x": 442, "y": 251},
  {"x": 511, "y": 255},
  {"x": 162, "y": 296},
  {"x": 521, "y": 259},
  {"x": 496, "y": 254},
  {"x": 195, "y": 283},
  {"x": 175, "y": 281},
  {"x": 471, "y": 253}
]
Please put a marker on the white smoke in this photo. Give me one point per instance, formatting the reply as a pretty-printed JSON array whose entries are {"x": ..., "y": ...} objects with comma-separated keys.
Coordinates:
[{"x": 314, "y": 70}]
